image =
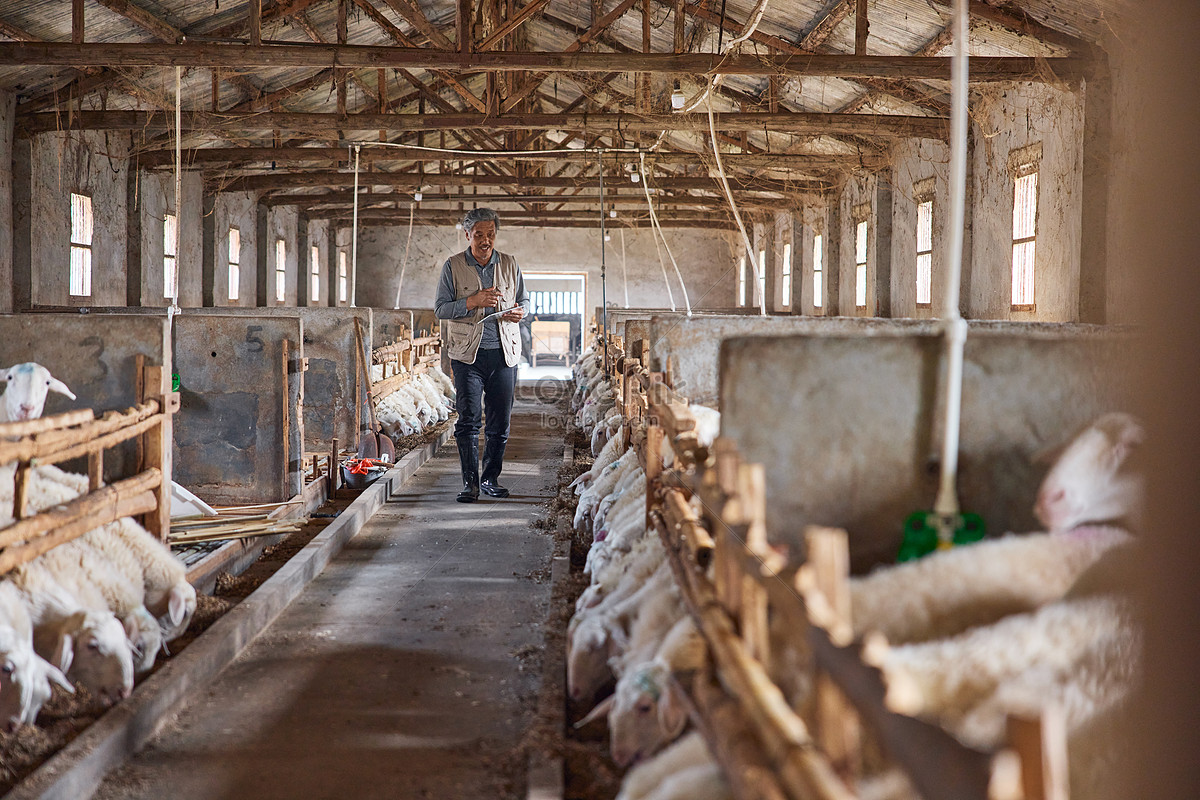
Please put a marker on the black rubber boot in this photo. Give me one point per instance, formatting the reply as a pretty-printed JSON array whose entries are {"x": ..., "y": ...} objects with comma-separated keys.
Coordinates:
[
  {"x": 493, "y": 462},
  {"x": 468, "y": 456}
]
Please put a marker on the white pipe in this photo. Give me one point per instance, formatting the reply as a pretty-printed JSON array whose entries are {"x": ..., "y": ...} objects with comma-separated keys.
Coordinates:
[
  {"x": 174, "y": 308},
  {"x": 658, "y": 229},
  {"x": 946, "y": 505},
  {"x": 407, "y": 244},
  {"x": 354, "y": 237},
  {"x": 712, "y": 132}
]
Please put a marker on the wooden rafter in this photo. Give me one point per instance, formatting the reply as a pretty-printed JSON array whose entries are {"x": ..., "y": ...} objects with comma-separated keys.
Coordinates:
[
  {"x": 276, "y": 181},
  {"x": 157, "y": 27},
  {"x": 983, "y": 69}
]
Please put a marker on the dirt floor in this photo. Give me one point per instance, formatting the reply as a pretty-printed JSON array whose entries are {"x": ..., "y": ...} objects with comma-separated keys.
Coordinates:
[{"x": 65, "y": 716}]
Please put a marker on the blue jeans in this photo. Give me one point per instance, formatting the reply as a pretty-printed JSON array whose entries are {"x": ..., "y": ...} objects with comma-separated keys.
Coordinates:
[{"x": 487, "y": 385}]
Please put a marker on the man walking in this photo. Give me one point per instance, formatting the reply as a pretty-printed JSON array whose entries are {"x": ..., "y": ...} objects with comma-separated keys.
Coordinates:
[{"x": 484, "y": 352}]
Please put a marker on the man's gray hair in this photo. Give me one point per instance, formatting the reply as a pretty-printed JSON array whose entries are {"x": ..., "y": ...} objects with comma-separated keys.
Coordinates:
[{"x": 477, "y": 215}]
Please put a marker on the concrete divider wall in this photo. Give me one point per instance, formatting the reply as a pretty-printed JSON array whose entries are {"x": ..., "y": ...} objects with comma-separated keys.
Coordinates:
[
  {"x": 329, "y": 384},
  {"x": 95, "y": 355},
  {"x": 423, "y": 320},
  {"x": 848, "y": 426},
  {"x": 387, "y": 324},
  {"x": 692, "y": 344},
  {"x": 237, "y": 399}
]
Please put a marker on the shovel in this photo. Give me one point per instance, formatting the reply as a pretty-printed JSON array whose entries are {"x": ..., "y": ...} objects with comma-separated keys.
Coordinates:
[{"x": 375, "y": 444}]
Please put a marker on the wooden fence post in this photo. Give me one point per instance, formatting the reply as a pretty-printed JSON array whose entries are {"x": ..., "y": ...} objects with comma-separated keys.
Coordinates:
[{"x": 156, "y": 448}]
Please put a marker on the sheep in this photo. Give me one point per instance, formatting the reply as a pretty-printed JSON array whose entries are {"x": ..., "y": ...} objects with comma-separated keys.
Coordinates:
[
  {"x": 684, "y": 771},
  {"x": 952, "y": 590},
  {"x": 1079, "y": 652},
  {"x": 1094, "y": 478},
  {"x": 625, "y": 572},
  {"x": 645, "y": 712},
  {"x": 25, "y": 677},
  {"x": 102, "y": 580},
  {"x": 167, "y": 594},
  {"x": 90, "y": 647},
  {"x": 25, "y": 396}
]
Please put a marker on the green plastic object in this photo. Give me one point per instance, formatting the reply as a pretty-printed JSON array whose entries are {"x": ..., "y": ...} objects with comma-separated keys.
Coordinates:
[
  {"x": 175, "y": 382},
  {"x": 921, "y": 533}
]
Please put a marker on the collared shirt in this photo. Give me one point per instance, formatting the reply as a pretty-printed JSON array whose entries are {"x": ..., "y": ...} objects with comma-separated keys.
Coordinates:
[{"x": 447, "y": 307}]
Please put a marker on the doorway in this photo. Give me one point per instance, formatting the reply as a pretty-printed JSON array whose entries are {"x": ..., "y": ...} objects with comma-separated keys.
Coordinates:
[{"x": 551, "y": 343}]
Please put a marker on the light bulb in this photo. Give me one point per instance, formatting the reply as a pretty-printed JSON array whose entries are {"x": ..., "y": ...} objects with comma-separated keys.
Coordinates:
[
  {"x": 612, "y": 213},
  {"x": 608, "y": 237},
  {"x": 458, "y": 226},
  {"x": 635, "y": 177},
  {"x": 417, "y": 195},
  {"x": 677, "y": 98}
]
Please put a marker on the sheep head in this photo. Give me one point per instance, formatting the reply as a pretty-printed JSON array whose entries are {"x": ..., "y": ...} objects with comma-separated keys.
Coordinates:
[
  {"x": 27, "y": 387},
  {"x": 1093, "y": 479}
]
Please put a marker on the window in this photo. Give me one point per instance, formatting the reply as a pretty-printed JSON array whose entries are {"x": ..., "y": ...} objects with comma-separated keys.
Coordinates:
[
  {"x": 924, "y": 252},
  {"x": 760, "y": 280},
  {"x": 235, "y": 262},
  {"x": 280, "y": 270},
  {"x": 818, "y": 271},
  {"x": 741, "y": 299},
  {"x": 1024, "y": 237},
  {"x": 343, "y": 277},
  {"x": 315, "y": 261},
  {"x": 81, "y": 246},
  {"x": 170, "y": 253},
  {"x": 860, "y": 265},
  {"x": 785, "y": 293}
]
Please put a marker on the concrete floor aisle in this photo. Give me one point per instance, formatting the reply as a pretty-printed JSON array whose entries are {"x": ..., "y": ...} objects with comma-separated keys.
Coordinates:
[{"x": 408, "y": 669}]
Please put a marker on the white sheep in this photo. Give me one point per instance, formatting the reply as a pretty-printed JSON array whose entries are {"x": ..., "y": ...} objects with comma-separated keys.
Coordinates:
[
  {"x": 168, "y": 596},
  {"x": 952, "y": 590},
  {"x": 684, "y": 771},
  {"x": 646, "y": 712},
  {"x": 25, "y": 677},
  {"x": 1093, "y": 478},
  {"x": 25, "y": 396},
  {"x": 91, "y": 647},
  {"x": 1080, "y": 653}
]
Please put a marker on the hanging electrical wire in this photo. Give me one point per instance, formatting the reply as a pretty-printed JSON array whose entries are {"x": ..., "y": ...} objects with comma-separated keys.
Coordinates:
[
  {"x": 404, "y": 261},
  {"x": 658, "y": 230},
  {"x": 737, "y": 217}
]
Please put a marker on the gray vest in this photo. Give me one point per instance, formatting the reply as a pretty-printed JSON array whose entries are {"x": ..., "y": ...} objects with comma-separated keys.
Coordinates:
[{"x": 461, "y": 336}]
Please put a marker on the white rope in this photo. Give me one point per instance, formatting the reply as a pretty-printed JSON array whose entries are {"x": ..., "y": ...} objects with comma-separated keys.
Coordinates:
[
  {"x": 404, "y": 262},
  {"x": 354, "y": 237},
  {"x": 658, "y": 229},
  {"x": 747, "y": 32},
  {"x": 624, "y": 272},
  {"x": 737, "y": 217},
  {"x": 173, "y": 310},
  {"x": 946, "y": 505}
]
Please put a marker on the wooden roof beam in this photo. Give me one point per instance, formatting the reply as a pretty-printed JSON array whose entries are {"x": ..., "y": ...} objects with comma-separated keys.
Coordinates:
[
  {"x": 139, "y": 16},
  {"x": 277, "y": 181},
  {"x": 796, "y": 123},
  {"x": 983, "y": 69}
]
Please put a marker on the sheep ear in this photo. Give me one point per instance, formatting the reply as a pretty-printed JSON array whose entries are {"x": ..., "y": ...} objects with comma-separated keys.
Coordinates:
[
  {"x": 58, "y": 386},
  {"x": 601, "y": 710},
  {"x": 56, "y": 676},
  {"x": 64, "y": 653},
  {"x": 176, "y": 606},
  {"x": 672, "y": 715}
]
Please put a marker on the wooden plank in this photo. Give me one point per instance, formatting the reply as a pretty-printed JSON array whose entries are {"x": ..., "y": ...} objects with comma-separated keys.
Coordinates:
[
  {"x": 56, "y": 422},
  {"x": 1041, "y": 744},
  {"x": 255, "y": 21},
  {"x": 77, "y": 21},
  {"x": 983, "y": 69},
  {"x": 83, "y": 511},
  {"x": 55, "y": 446},
  {"x": 157, "y": 27},
  {"x": 862, "y": 27},
  {"x": 157, "y": 453}
]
